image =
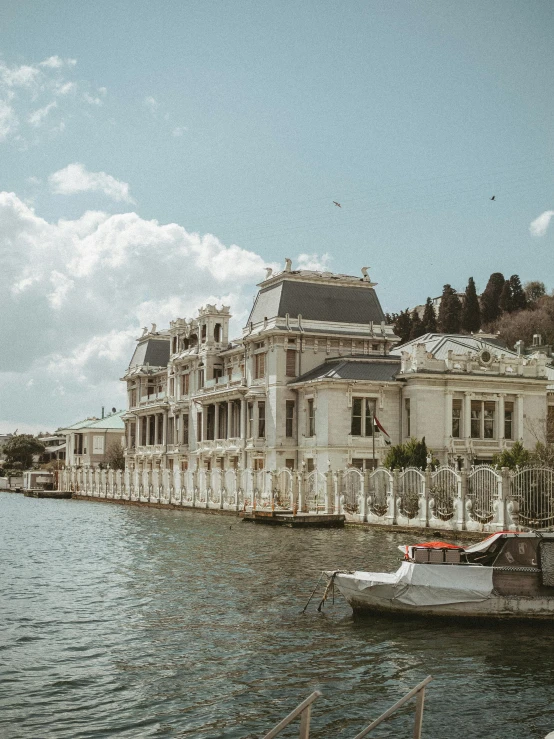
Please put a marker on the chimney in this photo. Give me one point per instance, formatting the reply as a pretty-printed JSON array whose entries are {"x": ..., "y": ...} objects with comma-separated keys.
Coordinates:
[
  {"x": 520, "y": 347},
  {"x": 102, "y": 411}
]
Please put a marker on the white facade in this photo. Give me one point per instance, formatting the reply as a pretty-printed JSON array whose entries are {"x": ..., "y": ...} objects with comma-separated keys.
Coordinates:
[{"x": 299, "y": 388}]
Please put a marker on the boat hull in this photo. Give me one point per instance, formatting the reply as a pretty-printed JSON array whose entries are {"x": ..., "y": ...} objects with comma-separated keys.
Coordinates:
[{"x": 494, "y": 607}]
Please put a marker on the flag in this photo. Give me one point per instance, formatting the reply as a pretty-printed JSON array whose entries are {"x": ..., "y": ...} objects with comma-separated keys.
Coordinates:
[{"x": 381, "y": 428}]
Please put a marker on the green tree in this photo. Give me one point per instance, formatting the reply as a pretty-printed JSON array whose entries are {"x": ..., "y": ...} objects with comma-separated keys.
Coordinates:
[
  {"x": 505, "y": 301},
  {"x": 450, "y": 311},
  {"x": 403, "y": 326},
  {"x": 471, "y": 311},
  {"x": 517, "y": 456},
  {"x": 519, "y": 299},
  {"x": 411, "y": 454},
  {"x": 115, "y": 455},
  {"x": 534, "y": 291},
  {"x": 20, "y": 449},
  {"x": 417, "y": 329},
  {"x": 429, "y": 319},
  {"x": 490, "y": 299}
]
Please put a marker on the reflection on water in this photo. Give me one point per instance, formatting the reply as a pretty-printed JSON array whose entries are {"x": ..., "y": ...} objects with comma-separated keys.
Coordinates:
[{"x": 126, "y": 622}]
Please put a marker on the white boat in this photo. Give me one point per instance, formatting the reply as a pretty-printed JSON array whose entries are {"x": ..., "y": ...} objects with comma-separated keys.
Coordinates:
[{"x": 508, "y": 575}]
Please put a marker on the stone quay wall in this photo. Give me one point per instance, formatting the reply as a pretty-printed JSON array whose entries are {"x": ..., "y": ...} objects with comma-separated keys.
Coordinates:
[{"x": 480, "y": 499}]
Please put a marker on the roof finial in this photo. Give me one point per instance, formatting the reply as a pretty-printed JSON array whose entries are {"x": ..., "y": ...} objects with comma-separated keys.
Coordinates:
[
  {"x": 144, "y": 331},
  {"x": 288, "y": 264},
  {"x": 365, "y": 274},
  {"x": 153, "y": 329},
  {"x": 268, "y": 272}
]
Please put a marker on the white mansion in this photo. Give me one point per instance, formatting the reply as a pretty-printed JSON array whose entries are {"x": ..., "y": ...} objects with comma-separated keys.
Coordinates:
[{"x": 315, "y": 363}]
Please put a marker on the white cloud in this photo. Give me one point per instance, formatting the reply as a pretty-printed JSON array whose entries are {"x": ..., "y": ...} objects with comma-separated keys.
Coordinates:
[
  {"x": 151, "y": 103},
  {"x": 24, "y": 75},
  {"x": 317, "y": 262},
  {"x": 64, "y": 88},
  {"x": 76, "y": 178},
  {"x": 56, "y": 62},
  {"x": 37, "y": 117},
  {"x": 82, "y": 290},
  {"x": 539, "y": 226},
  {"x": 8, "y": 120}
]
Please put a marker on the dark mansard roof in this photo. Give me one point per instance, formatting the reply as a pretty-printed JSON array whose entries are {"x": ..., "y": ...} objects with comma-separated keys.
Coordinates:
[
  {"x": 317, "y": 302},
  {"x": 154, "y": 352},
  {"x": 377, "y": 370}
]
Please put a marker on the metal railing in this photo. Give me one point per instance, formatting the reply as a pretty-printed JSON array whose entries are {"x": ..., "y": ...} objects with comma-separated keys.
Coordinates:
[{"x": 304, "y": 710}]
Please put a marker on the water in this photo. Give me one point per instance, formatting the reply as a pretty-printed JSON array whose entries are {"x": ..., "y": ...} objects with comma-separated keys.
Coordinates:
[{"x": 131, "y": 622}]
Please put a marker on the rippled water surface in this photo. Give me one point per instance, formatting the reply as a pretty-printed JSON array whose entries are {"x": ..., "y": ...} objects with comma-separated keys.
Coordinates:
[{"x": 131, "y": 622}]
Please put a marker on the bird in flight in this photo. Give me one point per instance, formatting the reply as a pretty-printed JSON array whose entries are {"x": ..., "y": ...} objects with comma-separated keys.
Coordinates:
[
  {"x": 493, "y": 197},
  {"x": 337, "y": 204}
]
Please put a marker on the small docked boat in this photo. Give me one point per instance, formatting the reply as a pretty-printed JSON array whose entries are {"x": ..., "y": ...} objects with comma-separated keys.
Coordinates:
[{"x": 508, "y": 575}]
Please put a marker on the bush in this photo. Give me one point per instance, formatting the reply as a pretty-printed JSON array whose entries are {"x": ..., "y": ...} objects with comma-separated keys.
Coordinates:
[{"x": 411, "y": 454}]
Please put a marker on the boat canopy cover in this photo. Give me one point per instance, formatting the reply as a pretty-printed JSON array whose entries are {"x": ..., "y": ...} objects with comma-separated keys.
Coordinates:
[{"x": 427, "y": 585}]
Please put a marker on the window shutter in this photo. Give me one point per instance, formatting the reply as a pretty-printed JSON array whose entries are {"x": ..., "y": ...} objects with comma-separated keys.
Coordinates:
[{"x": 291, "y": 363}]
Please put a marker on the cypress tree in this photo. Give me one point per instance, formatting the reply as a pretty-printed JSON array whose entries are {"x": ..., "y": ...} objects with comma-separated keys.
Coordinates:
[
  {"x": 417, "y": 329},
  {"x": 505, "y": 301},
  {"x": 403, "y": 326},
  {"x": 490, "y": 299},
  {"x": 429, "y": 319},
  {"x": 519, "y": 299},
  {"x": 471, "y": 312},
  {"x": 450, "y": 311}
]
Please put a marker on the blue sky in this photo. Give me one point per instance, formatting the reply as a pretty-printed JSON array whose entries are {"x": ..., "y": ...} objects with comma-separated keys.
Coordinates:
[{"x": 245, "y": 120}]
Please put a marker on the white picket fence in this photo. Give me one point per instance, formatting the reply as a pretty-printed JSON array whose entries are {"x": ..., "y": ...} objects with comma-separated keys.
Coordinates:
[{"x": 481, "y": 499}]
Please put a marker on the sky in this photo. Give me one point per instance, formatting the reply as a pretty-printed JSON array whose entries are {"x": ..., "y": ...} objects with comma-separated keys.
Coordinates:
[{"x": 156, "y": 156}]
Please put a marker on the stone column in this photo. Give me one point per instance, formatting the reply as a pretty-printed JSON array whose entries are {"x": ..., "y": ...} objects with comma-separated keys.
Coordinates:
[
  {"x": 164, "y": 429},
  {"x": 204, "y": 422},
  {"x": 147, "y": 440},
  {"x": 216, "y": 421},
  {"x": 467, "y": 415},
  {"x": 242, "y": 418},
  {"x": 500, "y": 421}
]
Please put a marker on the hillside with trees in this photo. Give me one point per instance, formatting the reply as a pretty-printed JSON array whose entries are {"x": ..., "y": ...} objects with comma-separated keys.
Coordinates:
[{"x": 514, "y": 311}]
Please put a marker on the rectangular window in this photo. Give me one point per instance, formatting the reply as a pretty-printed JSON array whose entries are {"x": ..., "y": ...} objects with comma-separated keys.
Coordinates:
[
  {"x": 133, "y": 399},
  {"x": 289, "y": 464},
  {"x": 199, "y": 426},
  {"x": 78, "y": 449},
  {"x": 289, "y": 419},
  {"x": 261, "y": 420},
  {"x": 160, "y": 439},
  {"x": 362, "y": 415},
  {"x": 171, "y": 431},
  {"x": 218, "y": 372},
  {"x": 185, "y": 384},
  {"x": 200, "y": 378},
  {"x": 408, "y": 419},
  {"x": 508, "y": 420},
  {"x": 210, "y": 430},
  {"x": 143, "y": 439},
  {"x": 456, "y": 419},
  {"x": 259, "y": 366},
  {"x": 151, "y": 431},
  {"x": 151, "y": 389},
  {"x": 356, "y": 424},
  {"x": 291, "y": 363},
  {"x": 185, "y": 428},
  {"x": 311, "y": 418},
  {"x": 310, "y": 464},
  {"x": 133, "y": 435},
  {"x": 98, "y": 445},
  {"x": 488, "y": 420},
  {"x": 171, "y": 386},
  {"x": 258, "y": 464},
  {"x": 476, "y": 407}
]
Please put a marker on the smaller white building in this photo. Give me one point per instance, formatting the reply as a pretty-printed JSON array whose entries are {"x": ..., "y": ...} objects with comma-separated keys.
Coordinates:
[{"x": 88, "y": 441}]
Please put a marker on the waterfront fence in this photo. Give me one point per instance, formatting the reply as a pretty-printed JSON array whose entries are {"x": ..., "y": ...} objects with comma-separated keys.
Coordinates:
[{"x": 483, "y": 498}]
